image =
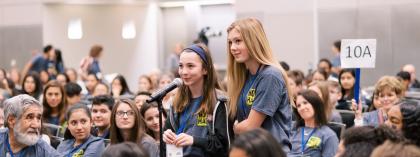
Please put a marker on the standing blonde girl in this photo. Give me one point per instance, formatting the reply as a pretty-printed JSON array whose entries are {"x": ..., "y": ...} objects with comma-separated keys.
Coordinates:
[{"x": 257, "y": 84}]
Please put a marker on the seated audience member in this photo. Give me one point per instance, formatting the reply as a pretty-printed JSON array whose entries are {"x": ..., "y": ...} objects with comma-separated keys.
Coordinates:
[
  {"x": 73, "y": 77},
  {"x": 73, "y": 93},
  {"x": 256, "y": 143},
  {"x": 391, "y": 149},
  {"x": 127, "y": 125},
  {"x": 91, "y": 81},
  {"x": 63, "y": 79},
  {"x": 405, "y": 78},
  {"x": 346, "y": 79},
  {"x": 154, "y": 76},
  {"x": 101, "y": 89},
  {"x": 9, "y": 87},
  {"x": 119, "y": 87},
  {"x": 405, "y": 116},
  {"x": 141, "y": 98},
  {"x": 31, "y": 85},
  {"x": 101, "y": 114},
  {"x": 326, "y": 66},
  {"x": 390, "y": 91},
  {"x": 150, "y": 112},
  {"x": 376, "y": 103},
  {"x": 311, "y": 136},
  {"x": 295, "y": 83},
  {"x": 54, "y": 102},
  {"x": 125, "y": 149},
  {"x": 321, "y": 88},
  {"x": 319, "y": 75},
  {"x": 365, "y": 138},
  {"x": 414, "y": 83},
  {"x": 334, "y": 94},
  {"x": 145, "y": 84},
  {"x": 77, "y": 140},
  {"x": 22, "y": 137},
  {"x": 44, "y": 77}
]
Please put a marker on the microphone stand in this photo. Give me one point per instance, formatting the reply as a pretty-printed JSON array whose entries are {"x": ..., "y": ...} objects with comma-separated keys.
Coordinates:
[{"x": 161, "y": 110}]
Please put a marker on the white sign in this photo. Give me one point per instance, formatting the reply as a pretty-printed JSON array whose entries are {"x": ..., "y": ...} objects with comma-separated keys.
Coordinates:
[
  {"x": 358, "y": 53},
  {"x": 173, "y": 151}
]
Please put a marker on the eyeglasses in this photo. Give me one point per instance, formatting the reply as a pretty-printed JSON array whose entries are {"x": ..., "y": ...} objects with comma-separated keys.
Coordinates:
[{"x": 122, "y": 113}]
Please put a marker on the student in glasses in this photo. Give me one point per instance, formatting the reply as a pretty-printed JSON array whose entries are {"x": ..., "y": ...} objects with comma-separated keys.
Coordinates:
[{"x": 127, "y": 125}]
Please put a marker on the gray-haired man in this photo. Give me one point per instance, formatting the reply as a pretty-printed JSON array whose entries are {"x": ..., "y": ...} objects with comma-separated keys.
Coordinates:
[{"x": 22, "y": 117}]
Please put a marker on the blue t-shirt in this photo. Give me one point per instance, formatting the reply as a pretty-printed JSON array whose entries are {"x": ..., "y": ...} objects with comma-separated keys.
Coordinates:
[
  {"x": 266, "y": 92},
  {"x": 336, "y": 62},
  {"x": 319, "y": 142},
  {"x": 92, "y": 147},
  {"x": 39, "y": 63},
  {"x": 94, "y": 67},
  {"x": 189, "y": 123}
]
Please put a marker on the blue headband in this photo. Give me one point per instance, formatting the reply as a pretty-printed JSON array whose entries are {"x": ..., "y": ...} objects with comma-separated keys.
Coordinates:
[{"x": 197, "y": 49}]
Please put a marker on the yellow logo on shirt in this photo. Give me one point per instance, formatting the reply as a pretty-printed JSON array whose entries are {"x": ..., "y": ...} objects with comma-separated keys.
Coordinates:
[
  {"x": 250, "y": 97},
  {"x": 202, "y": 119},
  {"x": 314, "y": 142},
  {"x": 79, "y": 153}
]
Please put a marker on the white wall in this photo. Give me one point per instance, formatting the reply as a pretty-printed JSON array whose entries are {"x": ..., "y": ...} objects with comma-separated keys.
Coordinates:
[
  {"x": 18, "y": 13},
  {"x": 182, "y": 24},
  {"x": 102, "y": 24},
  {"x": 20, "y": 31},
  {"x": 290, "y": 27}
]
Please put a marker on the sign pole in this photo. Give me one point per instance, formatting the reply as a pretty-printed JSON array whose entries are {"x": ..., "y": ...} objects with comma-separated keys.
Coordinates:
[{"x": 357, "y": 85}]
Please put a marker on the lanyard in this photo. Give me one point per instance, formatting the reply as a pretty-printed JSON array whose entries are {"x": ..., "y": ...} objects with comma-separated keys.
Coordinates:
[
  {"x": 185, "y": 118},
  {"x": 303, "y": 138},
  {"x": 244, "y": 94},
  {"x": 74, "y": 150},
  {"x": 10, "y": 149}
]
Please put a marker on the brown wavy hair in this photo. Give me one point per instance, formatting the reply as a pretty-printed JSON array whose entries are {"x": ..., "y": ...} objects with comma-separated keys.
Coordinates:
[
  {"x": 61, "y": 107},
  {"x": 138, "y": 130}
]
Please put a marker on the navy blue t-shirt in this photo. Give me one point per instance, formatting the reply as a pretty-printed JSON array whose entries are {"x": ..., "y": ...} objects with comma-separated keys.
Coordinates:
[
  {"x": 266, "y": 92},
  {"x": 189, "y": 123},
  {"x": 39, "y": 63}
]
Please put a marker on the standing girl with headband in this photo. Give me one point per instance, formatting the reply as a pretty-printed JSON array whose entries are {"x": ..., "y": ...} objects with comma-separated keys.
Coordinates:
[
  {"x": 257, "y": 84},
  {"x": 198, "y": 118}
]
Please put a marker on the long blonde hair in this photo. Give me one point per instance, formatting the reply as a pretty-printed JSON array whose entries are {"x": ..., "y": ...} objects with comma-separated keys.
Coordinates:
[
  {"x": 256, "y": 42},
  {"x": 183, "y": 96}
]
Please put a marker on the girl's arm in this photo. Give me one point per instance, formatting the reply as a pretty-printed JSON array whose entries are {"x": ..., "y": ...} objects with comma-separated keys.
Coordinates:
[{"x": 254, "y": 120}]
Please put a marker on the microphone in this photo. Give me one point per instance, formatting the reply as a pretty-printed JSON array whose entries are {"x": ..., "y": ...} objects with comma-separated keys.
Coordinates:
[{"x": 162, "y": 92}]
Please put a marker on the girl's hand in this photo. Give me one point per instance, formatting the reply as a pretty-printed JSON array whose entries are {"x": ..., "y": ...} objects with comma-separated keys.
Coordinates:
[
  {"x": 184, "y": 140},
  {"x": 169, "y": 137},
  {"x": 357, "y": 109},
  {"x": 234, "y": 126}
]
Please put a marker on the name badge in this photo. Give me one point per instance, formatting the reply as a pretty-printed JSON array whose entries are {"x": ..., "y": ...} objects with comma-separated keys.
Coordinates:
[{"x": 173, "y": 151}]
